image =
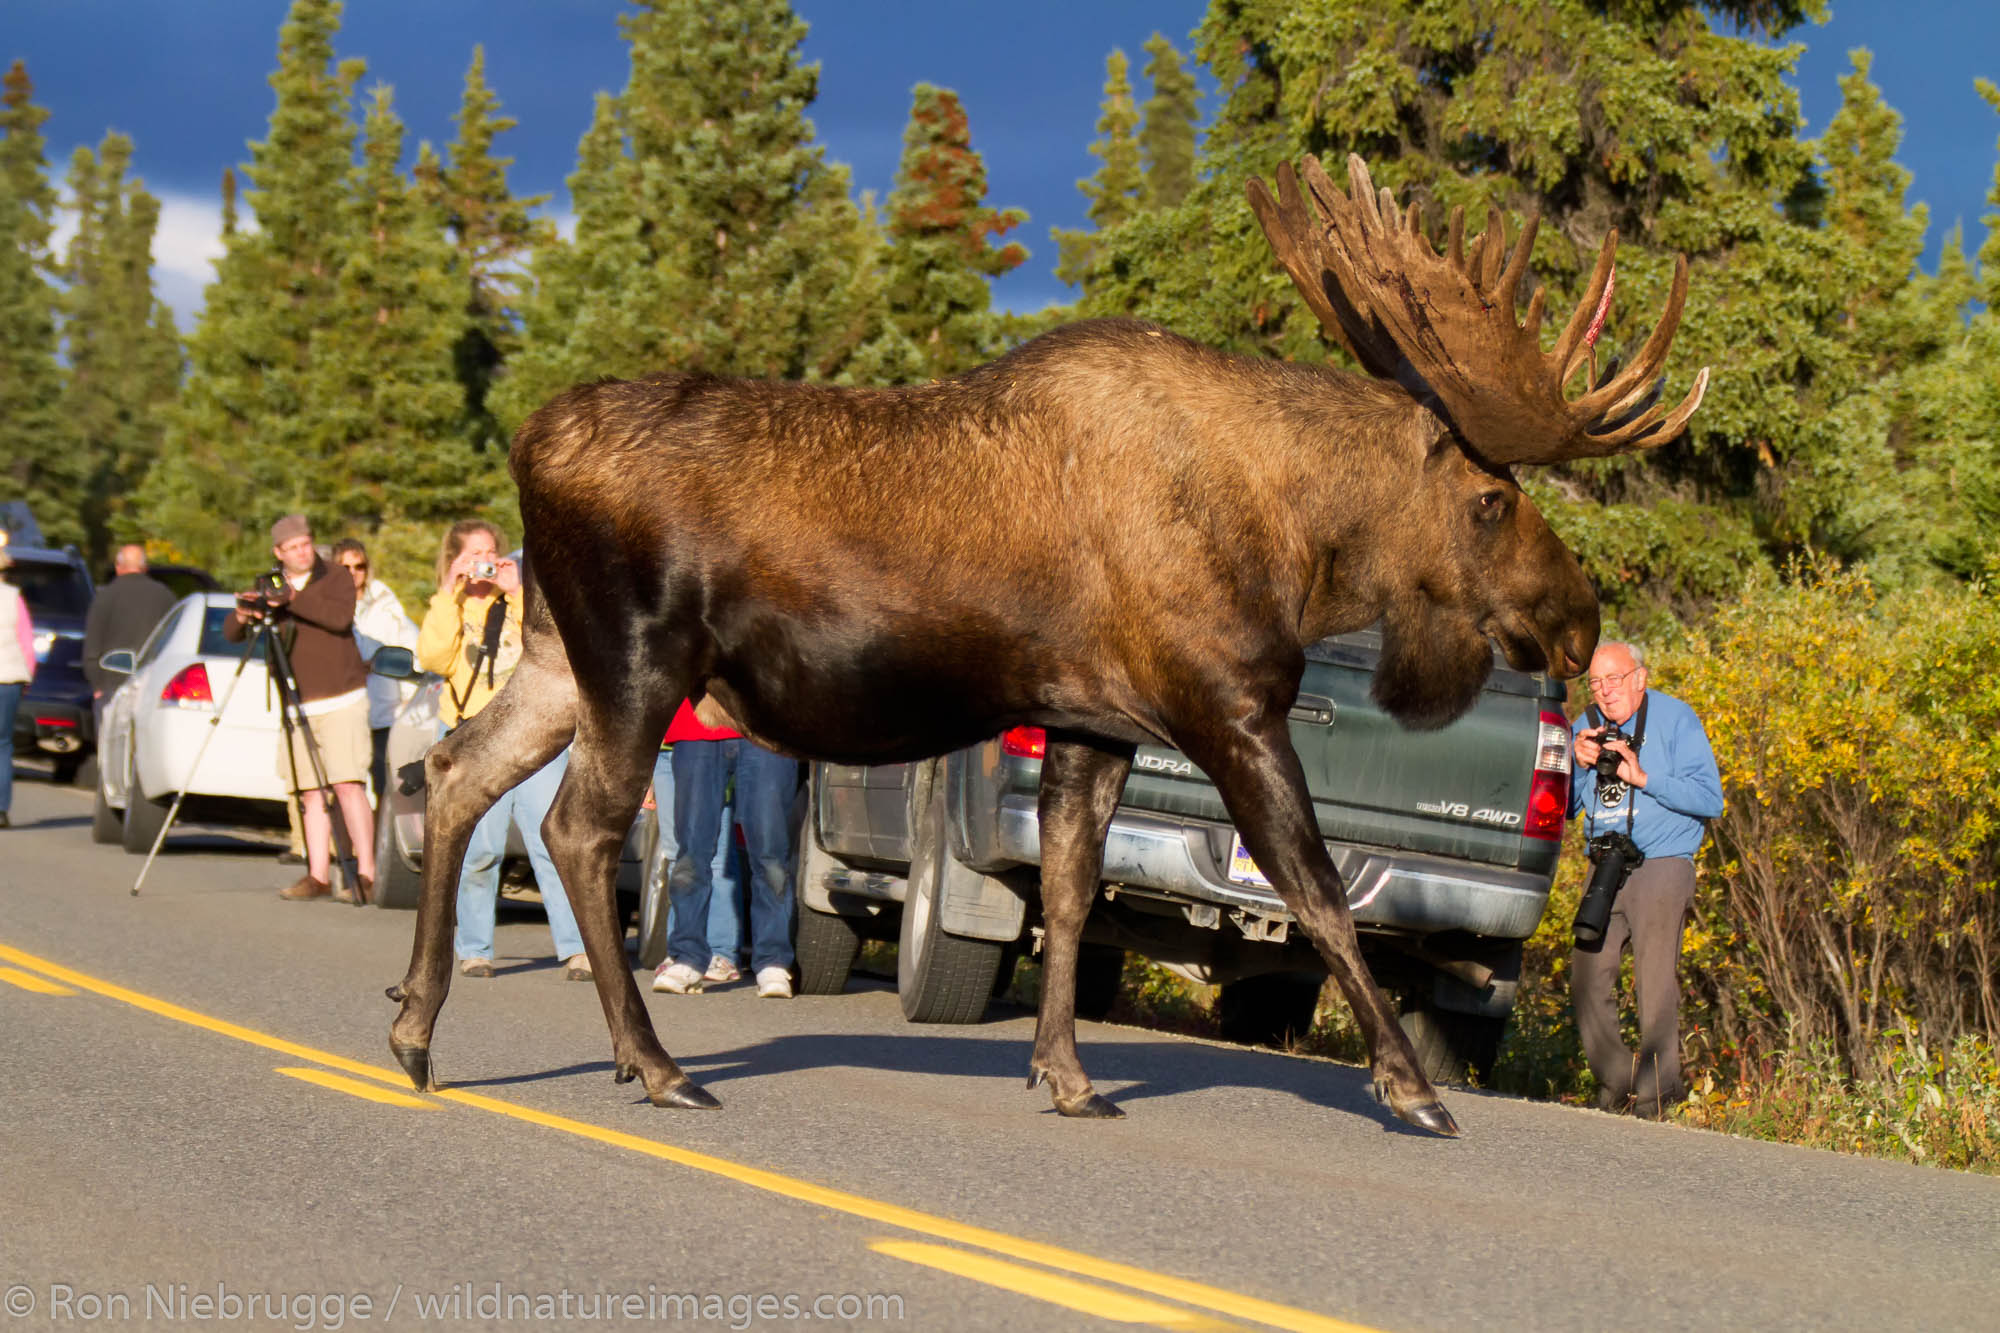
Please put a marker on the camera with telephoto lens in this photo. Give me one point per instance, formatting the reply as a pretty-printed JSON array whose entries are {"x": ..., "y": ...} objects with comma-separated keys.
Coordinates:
[
  {"x": 1608, "y": 760},
  {"x": 1613, "y": 858}
]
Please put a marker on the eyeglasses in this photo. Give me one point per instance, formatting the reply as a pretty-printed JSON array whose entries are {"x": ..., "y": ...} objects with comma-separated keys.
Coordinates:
[
  {"x": 355, "y": 564},
  {"x": 1599, "y": 684}
]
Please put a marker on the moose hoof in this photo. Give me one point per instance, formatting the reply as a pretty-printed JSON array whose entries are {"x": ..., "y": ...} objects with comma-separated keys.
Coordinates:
[
  {"x": 416, "y": 1062},
  {"x": 396, "y": 992},
  {"x": 624, "y": 1073},
  {"x": 1090, "y": 1106},
  {"x": 1430, "y": 1116},
  {"x": 685, "y": 1095}
]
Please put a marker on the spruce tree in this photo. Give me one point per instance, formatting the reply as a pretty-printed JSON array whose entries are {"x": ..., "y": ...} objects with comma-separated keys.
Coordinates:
[
  {"x": 494, "y": 232},
  {"x": 123, "y": 352},
  {"x": 1115, "y": 191},
  {"x": 384, "y": 403},
  {"x": 1167, "y": 128},
  {"x": 38, "y": 461},
  {"x": 711, "y": 234},
  {"x": 240, "y": 448},
  {"x": 941, "y": 234}
]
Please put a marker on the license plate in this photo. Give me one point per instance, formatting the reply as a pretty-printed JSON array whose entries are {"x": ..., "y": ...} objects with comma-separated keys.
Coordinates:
[{"x": 1243, "y": 870}]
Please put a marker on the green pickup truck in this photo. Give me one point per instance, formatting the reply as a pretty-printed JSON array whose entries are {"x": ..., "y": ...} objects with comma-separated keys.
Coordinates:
[{"x": 1447, "y": 842}]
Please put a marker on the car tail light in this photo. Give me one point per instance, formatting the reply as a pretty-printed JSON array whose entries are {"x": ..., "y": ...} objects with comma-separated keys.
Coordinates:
[
  {"x": 55, "y": 722},
  {"x": 1548, "y": 788},
  {"x": 189, "y": 688},
  {"x": 1024, "y": 742}
]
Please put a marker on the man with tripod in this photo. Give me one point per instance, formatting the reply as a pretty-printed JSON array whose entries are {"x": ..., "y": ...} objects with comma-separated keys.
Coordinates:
[
  {"x": 323, "y": 752},
  {"x": 1657, "y": 784}
]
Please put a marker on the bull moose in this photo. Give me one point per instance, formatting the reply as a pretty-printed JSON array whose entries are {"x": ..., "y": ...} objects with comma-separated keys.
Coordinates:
[{"x": 1111, "y": 532}]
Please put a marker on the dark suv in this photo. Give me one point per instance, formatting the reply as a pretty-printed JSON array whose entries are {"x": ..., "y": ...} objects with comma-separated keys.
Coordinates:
[{"x": 55, "y": 718}]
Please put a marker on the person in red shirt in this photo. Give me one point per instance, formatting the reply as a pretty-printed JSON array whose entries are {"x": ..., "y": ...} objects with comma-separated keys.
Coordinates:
[{"x": 705, "y": 757}]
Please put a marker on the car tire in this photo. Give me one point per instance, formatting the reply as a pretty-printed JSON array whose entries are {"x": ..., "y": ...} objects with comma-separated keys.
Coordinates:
[
  {"x": 940, "y": 977},
  {"x": 1452, "y": 1045},
  {"x": 107, "y": 822},
  {"x": 1100, "y": 971},
  {"x": 144, "y": 817},
  {"x": 824, "y": 944},
  {"x": 398, "y": 884},
  {"x": 654, "y": 902},
  {"x": 1273, "y": 1009}
]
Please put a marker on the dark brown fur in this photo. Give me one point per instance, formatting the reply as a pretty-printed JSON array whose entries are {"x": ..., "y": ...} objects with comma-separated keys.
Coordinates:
[{"x": 1111, "y": 532}]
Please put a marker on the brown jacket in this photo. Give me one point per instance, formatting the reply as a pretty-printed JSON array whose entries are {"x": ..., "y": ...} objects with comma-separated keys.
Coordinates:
[{"x": 318, "y": 630}]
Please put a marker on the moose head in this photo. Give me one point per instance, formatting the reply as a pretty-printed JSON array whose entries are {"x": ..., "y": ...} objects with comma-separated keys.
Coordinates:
[{"x": 1484, "y": 398}]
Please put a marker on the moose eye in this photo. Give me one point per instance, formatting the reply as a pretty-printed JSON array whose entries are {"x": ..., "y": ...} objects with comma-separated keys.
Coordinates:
[{"x": 1492, "y": 504}]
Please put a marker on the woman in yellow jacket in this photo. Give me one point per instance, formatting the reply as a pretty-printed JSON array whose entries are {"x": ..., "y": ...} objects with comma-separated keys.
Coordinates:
[{"x": 471, "y": 636}]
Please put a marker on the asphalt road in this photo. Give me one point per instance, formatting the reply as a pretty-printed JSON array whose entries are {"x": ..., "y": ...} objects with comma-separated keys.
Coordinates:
[{"x": 191, "y": 1114}]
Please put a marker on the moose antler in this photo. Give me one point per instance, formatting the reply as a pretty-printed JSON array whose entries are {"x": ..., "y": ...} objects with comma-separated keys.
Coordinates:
[{"x": 1444, "y": 325}]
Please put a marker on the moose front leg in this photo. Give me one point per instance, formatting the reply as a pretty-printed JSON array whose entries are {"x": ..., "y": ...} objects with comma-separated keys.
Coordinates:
[
  {"x": 1081, "y": 782},
  {"x": 1264, "y": 787},
  {"x": 522, "y": 728}
]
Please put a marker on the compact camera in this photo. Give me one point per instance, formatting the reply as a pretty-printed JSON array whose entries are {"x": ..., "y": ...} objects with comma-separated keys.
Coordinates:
[
  {"x": 1613, "y": 858},
  {"x": 484, "y": 570}
]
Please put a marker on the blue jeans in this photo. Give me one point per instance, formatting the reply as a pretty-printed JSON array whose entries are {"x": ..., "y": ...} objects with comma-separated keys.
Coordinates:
[
  {"x": 479, "y": 880},
  {"x": 10, "y": 703},
  {"x": 728, "y": 874},
  {"x": 766, "y": 785}
]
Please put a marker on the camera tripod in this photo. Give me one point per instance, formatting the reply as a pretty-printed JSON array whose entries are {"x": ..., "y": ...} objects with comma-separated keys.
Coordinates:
[{"x": 292, "y": 723}]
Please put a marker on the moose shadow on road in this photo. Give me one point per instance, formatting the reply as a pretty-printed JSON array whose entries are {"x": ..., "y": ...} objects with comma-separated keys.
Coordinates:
[{"x": 1125, "y": 1071}]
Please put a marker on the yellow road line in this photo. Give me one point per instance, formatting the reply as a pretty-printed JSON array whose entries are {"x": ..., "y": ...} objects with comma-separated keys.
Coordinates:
[
  {"x": 14, "y": 976},
  {"x": 356, "y": 1088},
  {"x": 1217, "y": 1299},
  {"x": 1088, "y": 1298}
]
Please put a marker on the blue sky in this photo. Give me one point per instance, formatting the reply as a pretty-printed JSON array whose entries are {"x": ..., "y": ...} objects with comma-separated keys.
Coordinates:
[{"x": 187, "y": 79}]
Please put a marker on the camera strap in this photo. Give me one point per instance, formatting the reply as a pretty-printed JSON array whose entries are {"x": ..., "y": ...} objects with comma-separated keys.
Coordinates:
[{"x": 484, "y": 655}]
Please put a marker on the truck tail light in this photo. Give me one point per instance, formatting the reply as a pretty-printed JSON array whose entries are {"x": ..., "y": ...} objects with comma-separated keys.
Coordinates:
[
  {"x": 1548, "y": 787},
  {"x": 1024, "y": 742},
  {"x": 189, "y": 688}
]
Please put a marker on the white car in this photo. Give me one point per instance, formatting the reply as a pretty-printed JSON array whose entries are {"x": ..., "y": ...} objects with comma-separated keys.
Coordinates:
[{"x": 155, "y": 724}]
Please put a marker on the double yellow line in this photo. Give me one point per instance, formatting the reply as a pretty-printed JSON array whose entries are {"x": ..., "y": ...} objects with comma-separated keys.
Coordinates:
[{"x": 1066, "y": 1291}]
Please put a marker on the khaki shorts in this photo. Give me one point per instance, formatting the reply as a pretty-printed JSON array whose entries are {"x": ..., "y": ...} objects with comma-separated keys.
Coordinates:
[{"x": 345, "y": 748}]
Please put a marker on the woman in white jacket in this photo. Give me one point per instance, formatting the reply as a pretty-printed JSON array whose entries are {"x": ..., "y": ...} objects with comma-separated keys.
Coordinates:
[{"x": 379, "y": 621}]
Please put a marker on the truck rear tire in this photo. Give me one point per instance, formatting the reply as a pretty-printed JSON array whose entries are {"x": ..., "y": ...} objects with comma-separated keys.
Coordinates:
[
  {"x": 824, "y": 948},
  {"x": 1452, "y": 1045},
  {"x": 1274, "y": 1009},
  {"x": 940, "y": 977}
]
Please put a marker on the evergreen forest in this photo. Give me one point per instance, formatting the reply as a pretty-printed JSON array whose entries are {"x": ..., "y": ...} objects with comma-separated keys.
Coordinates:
[{"x": 1812, "y": 562}]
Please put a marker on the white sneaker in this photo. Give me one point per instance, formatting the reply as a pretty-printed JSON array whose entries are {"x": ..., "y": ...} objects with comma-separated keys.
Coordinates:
[
  {"x": 722, "y": 970},
  {"x": 677, "y": 979},
  {"x": 774, "y": 983}
]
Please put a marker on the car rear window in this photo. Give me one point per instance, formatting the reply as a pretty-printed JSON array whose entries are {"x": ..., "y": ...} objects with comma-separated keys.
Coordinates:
[
  {"x": 51, "y": 589},
  {"x": 213, "y": 644}
]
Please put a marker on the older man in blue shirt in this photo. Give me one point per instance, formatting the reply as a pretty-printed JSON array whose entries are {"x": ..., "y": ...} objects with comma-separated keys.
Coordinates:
[{"x": 1665, "y": 790}]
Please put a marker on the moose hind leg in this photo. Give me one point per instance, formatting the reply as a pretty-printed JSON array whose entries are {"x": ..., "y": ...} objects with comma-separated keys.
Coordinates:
[
  {"x": 1081, "y": 781},
  {"x": 1264, "y": 787},
  {"x": 521, "y": 729},
  {"x": 609, "y": 770}
]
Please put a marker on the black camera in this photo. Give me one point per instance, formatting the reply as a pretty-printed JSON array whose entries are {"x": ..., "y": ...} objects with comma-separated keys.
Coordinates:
[
  {"x": 1613, "y": 858},
  {"x": 1608, "y": 760},
  {"x": 265, "y": 595}
]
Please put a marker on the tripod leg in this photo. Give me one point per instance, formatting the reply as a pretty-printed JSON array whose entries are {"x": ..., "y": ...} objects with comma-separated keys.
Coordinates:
[
  {"x": 194, "y": 767},
  {"x": 292, "y": 713}
]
